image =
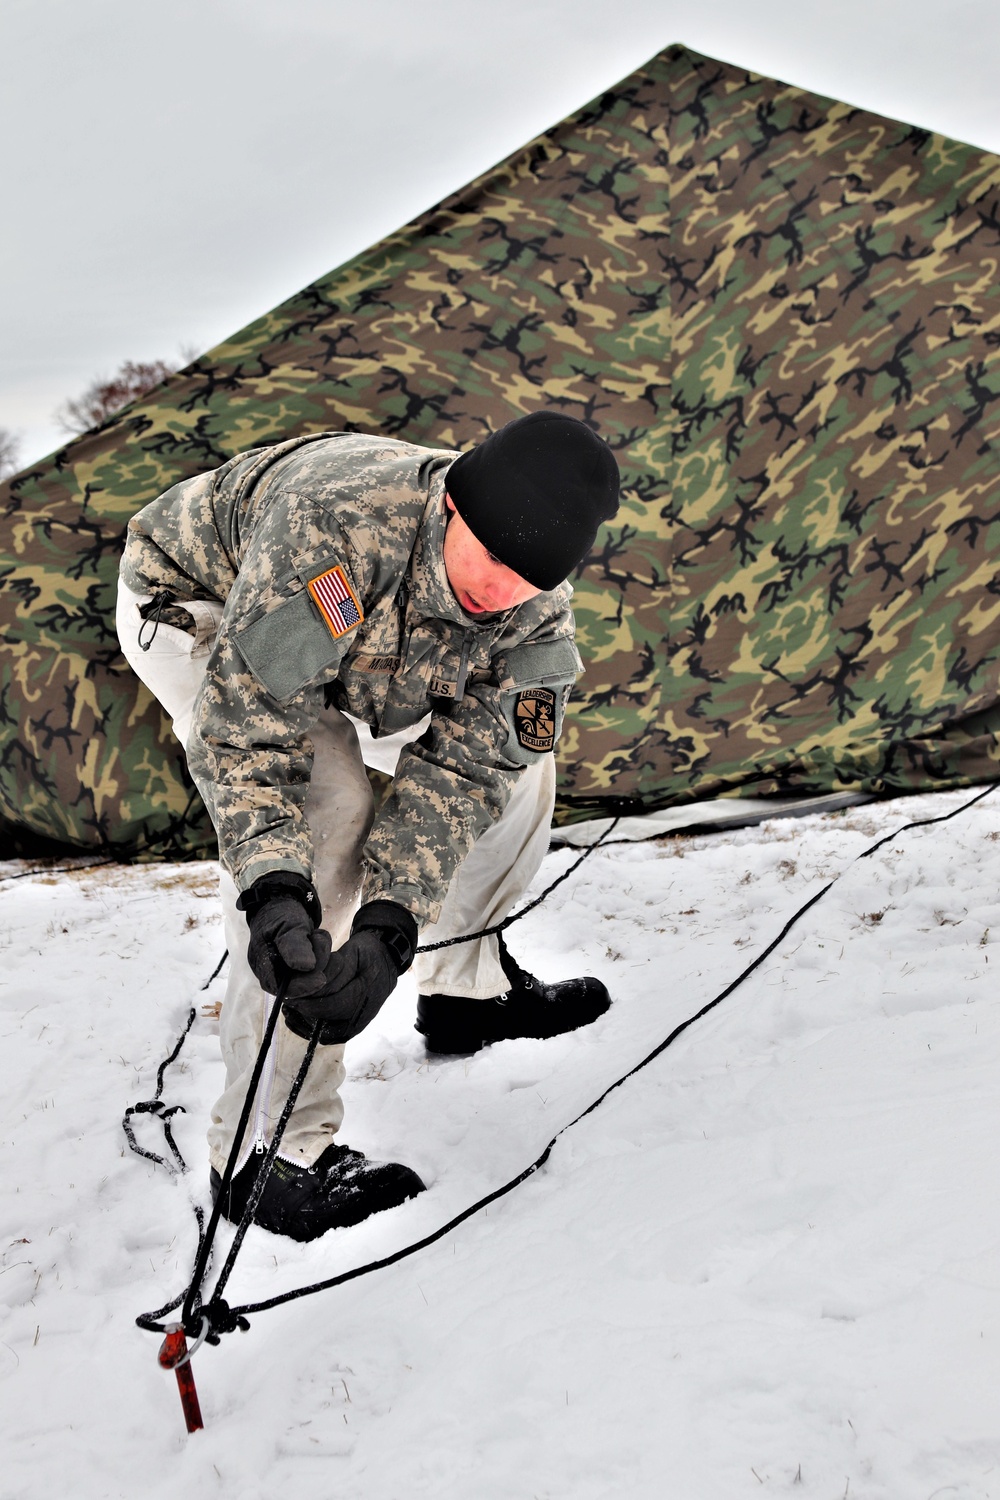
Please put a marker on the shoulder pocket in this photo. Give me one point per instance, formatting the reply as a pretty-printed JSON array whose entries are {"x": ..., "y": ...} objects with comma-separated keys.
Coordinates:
[
  {"x": 289, "y": 647},
  {"x": 538, "y": 664},
  {"x": 535, "y": 679}
]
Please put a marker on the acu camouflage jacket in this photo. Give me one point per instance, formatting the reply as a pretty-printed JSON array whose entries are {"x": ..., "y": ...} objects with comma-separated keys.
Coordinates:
[{"x": 327, "y": 552}]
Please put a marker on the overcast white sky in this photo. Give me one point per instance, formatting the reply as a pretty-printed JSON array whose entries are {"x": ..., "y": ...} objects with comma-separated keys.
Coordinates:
[{"x": 172, "y": 168}]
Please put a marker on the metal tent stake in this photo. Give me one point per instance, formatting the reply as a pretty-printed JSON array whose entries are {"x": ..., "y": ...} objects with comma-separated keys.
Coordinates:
[{"x": 174, "y": 1356}]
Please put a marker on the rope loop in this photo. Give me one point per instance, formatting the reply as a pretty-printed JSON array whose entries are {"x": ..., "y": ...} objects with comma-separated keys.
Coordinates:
[
  {"x": 217, "y": 1318},
  {"x": 151, "y": 613},
  {"x": 192, "y": 1349}
]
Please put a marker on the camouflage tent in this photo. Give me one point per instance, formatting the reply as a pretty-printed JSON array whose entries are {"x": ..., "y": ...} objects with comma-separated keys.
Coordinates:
[{"x": 783, "y": 313}]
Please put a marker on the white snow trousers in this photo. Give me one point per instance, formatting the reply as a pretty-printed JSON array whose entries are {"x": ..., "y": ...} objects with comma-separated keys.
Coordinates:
[{"x": 340, "y": 810}]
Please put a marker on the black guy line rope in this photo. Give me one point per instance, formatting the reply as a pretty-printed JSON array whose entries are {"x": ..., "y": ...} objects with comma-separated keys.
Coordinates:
[
  {"x": 156, "y": 1106},
  {"x": 224, "y": 1318}
]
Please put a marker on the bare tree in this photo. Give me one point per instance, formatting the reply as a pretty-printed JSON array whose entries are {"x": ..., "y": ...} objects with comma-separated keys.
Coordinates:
[
  {"x": 10, "y": 452},
  {"x": 104, "y": 396}
]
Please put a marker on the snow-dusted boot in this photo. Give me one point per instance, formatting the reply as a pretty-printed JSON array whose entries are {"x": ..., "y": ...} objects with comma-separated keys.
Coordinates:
[
  {"x": 530, "y": 1008},
  {"x": 342, "y": 1187}
]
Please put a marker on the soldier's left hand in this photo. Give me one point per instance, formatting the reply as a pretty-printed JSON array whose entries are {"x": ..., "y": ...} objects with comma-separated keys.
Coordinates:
[{"x": 360, "y": 976}]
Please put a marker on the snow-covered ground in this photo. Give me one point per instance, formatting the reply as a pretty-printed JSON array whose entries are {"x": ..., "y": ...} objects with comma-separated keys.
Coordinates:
[{"x": 769, "y": 1262}]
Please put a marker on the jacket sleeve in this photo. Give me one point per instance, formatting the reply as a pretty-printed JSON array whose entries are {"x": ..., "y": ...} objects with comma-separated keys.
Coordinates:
[
  {"x": 457, "y": 779},
  {"x": 250, "y": 750}
]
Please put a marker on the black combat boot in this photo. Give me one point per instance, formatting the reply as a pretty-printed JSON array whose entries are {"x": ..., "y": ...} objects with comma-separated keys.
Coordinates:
[
  {"x": 530, "y": 1008},
  {"x": 342, "y": 1187}
]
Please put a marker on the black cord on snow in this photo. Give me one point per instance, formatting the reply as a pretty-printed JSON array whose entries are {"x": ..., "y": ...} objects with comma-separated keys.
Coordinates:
[
  {"x": 516, "y": 916},
  {"x": 156, "y": 1106},
  {"x": 193, "y": 1309},
  {"x": 217, "y": 1316},
  {"x": 221, "y": 1318}
]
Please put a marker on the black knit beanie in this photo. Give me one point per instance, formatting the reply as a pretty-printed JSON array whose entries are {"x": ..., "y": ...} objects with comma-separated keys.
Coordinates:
[{"x": 535, "y": 492}]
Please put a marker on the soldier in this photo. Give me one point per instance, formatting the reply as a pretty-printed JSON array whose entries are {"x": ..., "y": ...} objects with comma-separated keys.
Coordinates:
[{"x": 338, "y": 588}]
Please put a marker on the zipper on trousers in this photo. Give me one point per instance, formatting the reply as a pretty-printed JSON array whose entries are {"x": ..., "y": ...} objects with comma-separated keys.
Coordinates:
[{"x": 263, "y": 1109}]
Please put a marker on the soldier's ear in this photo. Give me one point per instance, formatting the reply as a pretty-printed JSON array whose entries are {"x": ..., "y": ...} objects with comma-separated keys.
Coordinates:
[{"x": 449, "y": 501}]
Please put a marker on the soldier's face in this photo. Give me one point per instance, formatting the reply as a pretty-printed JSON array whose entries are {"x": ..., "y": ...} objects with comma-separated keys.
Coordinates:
[{"x": 481, "y": 584}]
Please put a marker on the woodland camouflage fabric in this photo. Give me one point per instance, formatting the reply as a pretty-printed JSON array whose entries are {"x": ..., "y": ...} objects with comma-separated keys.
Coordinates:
[
  {"x": 782, "y": 312},
  {"x": 259, "y": 533}
]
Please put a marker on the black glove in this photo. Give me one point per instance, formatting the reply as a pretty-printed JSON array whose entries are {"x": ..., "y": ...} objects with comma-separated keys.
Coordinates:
[
  {"x": 360, "y": 976},
  {"x": 283, "y": 913}
]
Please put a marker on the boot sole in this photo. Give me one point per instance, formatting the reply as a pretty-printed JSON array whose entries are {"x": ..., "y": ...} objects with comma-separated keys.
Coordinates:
[
  {"x": 463, "y": 1044},
  {"x": 456, "y": 1046}
]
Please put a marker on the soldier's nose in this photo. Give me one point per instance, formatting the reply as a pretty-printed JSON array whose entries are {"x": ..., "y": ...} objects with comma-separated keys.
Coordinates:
[{"x": 503, "y": 593}]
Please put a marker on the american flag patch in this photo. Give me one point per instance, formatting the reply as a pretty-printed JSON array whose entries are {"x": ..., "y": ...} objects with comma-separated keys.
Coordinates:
[{"x": 336, "y": 601}]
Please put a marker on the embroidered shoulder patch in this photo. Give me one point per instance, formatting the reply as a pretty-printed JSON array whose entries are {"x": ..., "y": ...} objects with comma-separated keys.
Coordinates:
[
  {"x": 336, "y": 601},
  {"x": 535, "y": 719}
]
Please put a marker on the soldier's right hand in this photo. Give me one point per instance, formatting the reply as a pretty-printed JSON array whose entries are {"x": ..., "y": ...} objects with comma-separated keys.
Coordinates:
[{"x": 283, "y": 914}]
